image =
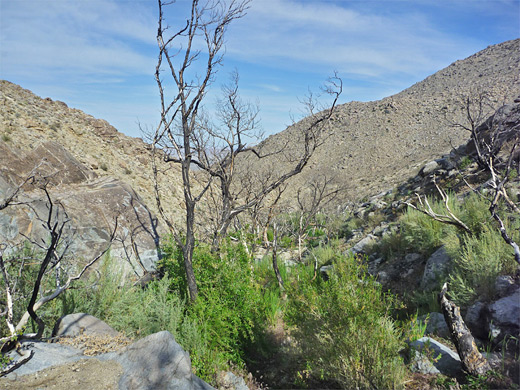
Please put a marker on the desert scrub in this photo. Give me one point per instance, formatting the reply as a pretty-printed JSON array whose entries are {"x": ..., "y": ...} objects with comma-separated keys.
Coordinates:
[
  {"x": 230, "y": 309},
  {"x": 344, "y": 328},
  {"x": 478, "y": 261}
]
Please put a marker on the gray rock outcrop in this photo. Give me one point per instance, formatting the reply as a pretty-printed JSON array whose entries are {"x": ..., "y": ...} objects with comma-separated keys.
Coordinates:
[
  {"x": 157, "y": 362},
  {"x": 90, "y": 207},
  {"x": 436, "y": 267},
  {"x": 445, "y": 360}
]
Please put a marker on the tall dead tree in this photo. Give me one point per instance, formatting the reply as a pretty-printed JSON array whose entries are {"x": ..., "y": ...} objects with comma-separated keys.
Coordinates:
[
  {"x": 208, "y": 151},
  {"x": 175, "y": 137}
]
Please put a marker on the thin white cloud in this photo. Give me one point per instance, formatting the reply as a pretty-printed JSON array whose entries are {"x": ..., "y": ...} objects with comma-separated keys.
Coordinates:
[
  {"x": 53, "y": 38},
  {"x": 325, "y": 34}
]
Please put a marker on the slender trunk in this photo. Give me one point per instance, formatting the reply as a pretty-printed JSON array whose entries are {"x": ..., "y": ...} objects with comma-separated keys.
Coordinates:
[
  {"x": 187, "y": 251},
  {"x": 275, "y": 259}
]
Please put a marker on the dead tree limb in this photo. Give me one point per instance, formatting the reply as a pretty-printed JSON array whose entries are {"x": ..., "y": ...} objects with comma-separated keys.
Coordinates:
[
  {"x": 472, "y": 360},
  {"x": 448, "y": 218}
]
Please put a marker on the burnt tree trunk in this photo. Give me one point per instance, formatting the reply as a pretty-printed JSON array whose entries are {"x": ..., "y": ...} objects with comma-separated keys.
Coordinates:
[{"x": 472, "y": 360}]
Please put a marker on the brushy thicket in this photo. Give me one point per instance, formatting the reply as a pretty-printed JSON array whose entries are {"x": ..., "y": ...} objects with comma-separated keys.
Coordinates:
[
  {"x": 478, "y": 257},
  {"x": 345, "y": 329}
]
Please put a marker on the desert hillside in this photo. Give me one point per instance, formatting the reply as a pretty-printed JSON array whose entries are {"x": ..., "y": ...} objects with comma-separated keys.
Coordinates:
[
  {"x": 370, "y": 147},
  {"x": 373, "y": 146}
]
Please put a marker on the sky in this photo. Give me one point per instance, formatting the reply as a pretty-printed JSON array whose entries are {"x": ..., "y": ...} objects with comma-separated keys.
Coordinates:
[{"x": 100, "y": 55}]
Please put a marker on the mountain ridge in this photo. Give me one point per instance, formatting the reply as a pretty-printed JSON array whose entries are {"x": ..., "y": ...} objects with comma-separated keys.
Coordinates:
[{"x": 371, "y": 146}]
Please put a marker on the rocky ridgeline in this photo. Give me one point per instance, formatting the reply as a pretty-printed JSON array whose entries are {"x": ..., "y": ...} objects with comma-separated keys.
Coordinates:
[{"x": 373, "y": 146}]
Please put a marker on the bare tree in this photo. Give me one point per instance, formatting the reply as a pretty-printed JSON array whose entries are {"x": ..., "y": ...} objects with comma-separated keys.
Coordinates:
[
  {"x": 207, "y": 151},
  {"x": 49, "y": 254},
  {"x": 176, "y": 133},
  {"x": 311, "y": 198}
]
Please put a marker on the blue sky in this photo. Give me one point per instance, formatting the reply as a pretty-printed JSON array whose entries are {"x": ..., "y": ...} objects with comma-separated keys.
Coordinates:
[{"x": 99, "y": 55}]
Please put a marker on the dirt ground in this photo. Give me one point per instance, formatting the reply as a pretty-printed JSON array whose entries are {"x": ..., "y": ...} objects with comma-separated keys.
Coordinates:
[{"x": 82, "y": 374}]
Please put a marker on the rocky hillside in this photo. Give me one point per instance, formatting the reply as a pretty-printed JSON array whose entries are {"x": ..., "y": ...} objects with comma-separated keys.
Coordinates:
[
  {"x": 370, "y": 147},
  {"x": 26, "y": 120},
  {"x": 373, "y": 146}
]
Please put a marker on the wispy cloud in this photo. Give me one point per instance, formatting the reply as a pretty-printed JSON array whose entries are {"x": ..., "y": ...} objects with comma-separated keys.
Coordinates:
[
  {"x": 55, "y": 38},
  {"x": 364, "y": 41}
]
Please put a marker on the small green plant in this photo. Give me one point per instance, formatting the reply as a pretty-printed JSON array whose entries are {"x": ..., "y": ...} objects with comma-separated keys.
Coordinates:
[
  {"x": 6, "y": 137},
  {"x": 465, "y": 162},
  {"x": 103, "y": 166}
]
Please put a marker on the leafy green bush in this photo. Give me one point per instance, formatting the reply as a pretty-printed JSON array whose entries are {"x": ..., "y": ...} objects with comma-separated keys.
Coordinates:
[
  {"x": 344, "y": 328},
  {"x": 230, "y": 309},
  {"x": 421, "y": 233},
  {"x": 478, "y": 261}
]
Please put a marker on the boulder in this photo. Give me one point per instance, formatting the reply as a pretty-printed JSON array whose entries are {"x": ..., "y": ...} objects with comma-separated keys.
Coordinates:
[
  {"x": 436, "y": 324},
  {"x": 430, "y": 167},
  {"x": 475, "y": 320},
  {"x": 421, "y": 364},
  {"x": 436, "y": 267},
  {"x": 73, "y": 325},
  {"x": 505, "y": 285},
  {"x": 154, "y": 362},
  {"x": 157, "y": 362},
  {"x": 362, "y": 245},
  {"x": 45, "y": 355},
  {"x": 444, "y": 359},
  {"x": 504, "y": 317}
]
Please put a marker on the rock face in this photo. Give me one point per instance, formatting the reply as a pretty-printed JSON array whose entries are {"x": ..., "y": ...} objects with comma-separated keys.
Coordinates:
[
  {"x": 88, "y": 205},
  {"x": 372, "y": 146},
  {"x": 27, "y": 120}
]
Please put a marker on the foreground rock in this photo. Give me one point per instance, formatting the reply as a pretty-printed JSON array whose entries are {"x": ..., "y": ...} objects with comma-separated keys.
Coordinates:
[
  {"x": 443, "y": 359},
  {"x": 73, "y": 325},
  {"x": 155, "y": 362}
]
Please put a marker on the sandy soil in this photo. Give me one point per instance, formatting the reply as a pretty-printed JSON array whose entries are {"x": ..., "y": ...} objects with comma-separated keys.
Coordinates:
[{"x": 83, "y": 374}]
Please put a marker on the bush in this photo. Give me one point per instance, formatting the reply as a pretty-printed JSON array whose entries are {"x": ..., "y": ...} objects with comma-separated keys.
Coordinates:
[
  {"x": 344, "y": 328},
  {"x": 229, "y": 311},
  {"x": 478, "y": 261},
  {"x": 421, "y": 233}
]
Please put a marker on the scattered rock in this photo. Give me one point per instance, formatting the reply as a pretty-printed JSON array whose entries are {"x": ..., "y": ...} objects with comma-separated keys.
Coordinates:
[
  {"x": 362, "y": 245},
  {"x": 444, "y": 359},
  {"x": 430, "y": 167},
  {"x": 436, "y": 267},
  {"x": 73, "y": 325},
  {"x": 504, "y": 317},
  {"x": 229, "y": 381}
]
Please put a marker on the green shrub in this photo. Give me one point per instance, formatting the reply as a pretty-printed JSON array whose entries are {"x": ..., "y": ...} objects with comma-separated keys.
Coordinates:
[
  {"x": 344, "y": 328},
  {"x": 230, "y": 309},
  {"x": 421, "y": 232},
  {"x": 465, "y": 162},
  {"x": 478, "y": 261}
]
